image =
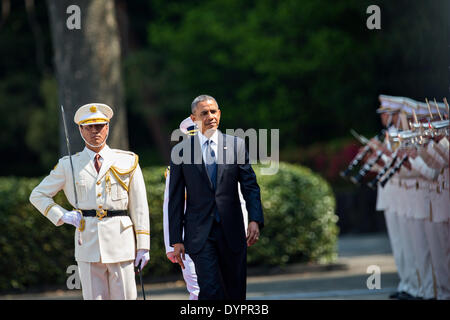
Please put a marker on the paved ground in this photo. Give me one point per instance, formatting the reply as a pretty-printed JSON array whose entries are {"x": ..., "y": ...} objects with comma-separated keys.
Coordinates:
[{"x": 345, "y": 280}]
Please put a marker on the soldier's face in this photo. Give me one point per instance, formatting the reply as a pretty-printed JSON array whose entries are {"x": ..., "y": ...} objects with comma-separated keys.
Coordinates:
[
  {"x": 384, "y": 119},
  {"x": 395, "y": 118},
  {"x": 95, "y": 134},
  {"x": 207, "y": 116}
]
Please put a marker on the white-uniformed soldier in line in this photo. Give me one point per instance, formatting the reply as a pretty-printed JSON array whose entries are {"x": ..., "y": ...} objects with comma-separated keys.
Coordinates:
[
  {"x": 402, "y": 209},
  {"x": 439, "y": 224},
  {"x": 187, "y": 126},
  {"x": 432, "y": 218},
  {"x": 426, "y": 218},
  {"x": 394, "y": 201},
  {"x": 414, "y": 211},
  {"x": 423, "y": 212},
  {"x": 437, "y": 221},
  {"x": 385, "y": 200},
  {"x": 113, "y": 216}
]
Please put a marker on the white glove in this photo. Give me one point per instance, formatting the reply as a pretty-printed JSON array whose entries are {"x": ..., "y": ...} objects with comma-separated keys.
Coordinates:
[
  {"x": 142, "y": 258},
  {"x": 72, "y": 217}
]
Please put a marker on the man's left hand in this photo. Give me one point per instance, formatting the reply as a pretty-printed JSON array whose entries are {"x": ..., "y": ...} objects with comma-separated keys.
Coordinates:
[
  {"x": 252, "y": 233},
  {"x": 142, "y": 258}
]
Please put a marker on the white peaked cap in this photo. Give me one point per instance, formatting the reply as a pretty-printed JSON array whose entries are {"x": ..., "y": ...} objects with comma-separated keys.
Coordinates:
[
  {"x": 93, "y": 113},
  {"x": 185, "y": 124},
  {"x": 407, "y": 105}
]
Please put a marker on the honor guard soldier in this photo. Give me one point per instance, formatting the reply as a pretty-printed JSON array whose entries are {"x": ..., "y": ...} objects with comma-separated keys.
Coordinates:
[
  {"x": 106, "y": 188},
  {"x": 413, "y": 192},
  {"x": 389, "y": 113},
  {"x": 417, "y": 191},
  {"x": 432, "y": 211},
  {"x": 188, "y": 127}
]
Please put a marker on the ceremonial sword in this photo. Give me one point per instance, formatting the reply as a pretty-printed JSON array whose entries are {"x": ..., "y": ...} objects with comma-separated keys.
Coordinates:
[{"x": 82, "y": 222}]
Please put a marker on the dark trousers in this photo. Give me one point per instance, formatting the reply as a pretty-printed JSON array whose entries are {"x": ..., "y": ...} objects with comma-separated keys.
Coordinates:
[{"x": 221, "y": 274}]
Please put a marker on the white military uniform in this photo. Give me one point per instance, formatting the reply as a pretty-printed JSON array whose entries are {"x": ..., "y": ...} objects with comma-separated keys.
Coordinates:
[
  {"x": 420, "y": 197},
  {"x": 427, "y": 219},
  {"x": 189, "y": 274},
  {"x": 438, "y": 216},
  {"x": 391, "y": 200},
  {"x": 105, "y": 257},
  {"x": 414, "y": 204},
  {"x": 387, "y": 197}
]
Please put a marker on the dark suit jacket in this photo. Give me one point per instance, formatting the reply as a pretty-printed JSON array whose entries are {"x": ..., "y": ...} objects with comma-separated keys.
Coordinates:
[{"x": 202, "y": 199}]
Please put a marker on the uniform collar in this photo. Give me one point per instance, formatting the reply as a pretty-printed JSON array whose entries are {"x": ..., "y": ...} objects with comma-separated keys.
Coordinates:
[{"x": 104, "y": 153}]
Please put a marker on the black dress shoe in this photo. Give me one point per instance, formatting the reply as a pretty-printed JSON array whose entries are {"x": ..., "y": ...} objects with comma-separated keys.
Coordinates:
[
  {"x": 406, "y": 296},
  {"x": 394, "y": 295}
]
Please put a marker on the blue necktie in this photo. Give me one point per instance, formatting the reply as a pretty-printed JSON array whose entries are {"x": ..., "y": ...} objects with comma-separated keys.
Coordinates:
[{"x": 211, "y": 168}]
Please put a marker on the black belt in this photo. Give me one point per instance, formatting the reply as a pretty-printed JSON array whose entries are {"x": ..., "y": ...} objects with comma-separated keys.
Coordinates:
[{"x": 104, "y": 213}]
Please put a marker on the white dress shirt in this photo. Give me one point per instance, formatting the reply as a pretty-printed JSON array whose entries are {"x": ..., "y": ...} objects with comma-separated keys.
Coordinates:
[
  {"x": 103, "y": 154},
  {"x": 214, "y": 143}
]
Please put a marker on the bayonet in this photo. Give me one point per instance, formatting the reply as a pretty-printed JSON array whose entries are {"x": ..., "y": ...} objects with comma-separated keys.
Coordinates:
[{"x": 359, "y": 137}]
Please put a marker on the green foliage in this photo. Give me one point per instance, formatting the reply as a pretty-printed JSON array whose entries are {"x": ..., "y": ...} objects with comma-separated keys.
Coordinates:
[
  {"x": 22, "y": 86},
  {"x": 33, "y": 250},
  {"x": 310, "y": 67},
  {"x": 44, "y": 123},
  {"x": 300, "y": 222},
  {"x": 300, "y": 226}
]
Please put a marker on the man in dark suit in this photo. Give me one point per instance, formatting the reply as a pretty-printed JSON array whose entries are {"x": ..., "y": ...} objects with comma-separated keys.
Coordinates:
[{"x": 209, "y": 166}]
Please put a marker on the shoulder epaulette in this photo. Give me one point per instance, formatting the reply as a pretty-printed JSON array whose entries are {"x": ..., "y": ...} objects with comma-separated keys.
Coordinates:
[
  {"x": 124, "y": 151},
  {"x": 118, "y": 172},
  {"x": 123, "y": 171}
]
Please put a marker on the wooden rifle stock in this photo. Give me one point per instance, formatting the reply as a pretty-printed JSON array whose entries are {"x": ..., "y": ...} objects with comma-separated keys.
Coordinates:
[{"x": 366, "y": 168}]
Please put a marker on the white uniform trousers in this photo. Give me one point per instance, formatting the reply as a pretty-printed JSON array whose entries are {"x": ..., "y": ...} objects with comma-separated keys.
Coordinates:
[
  {"x": 396, "y": 246},
  {"x": 108, "y": 281},
  {"x": 422, "y": 256},
  {"x": 438, "y": 234},
  {"x": 410, "y": 271},
  {"x": 190, "y": 277}
]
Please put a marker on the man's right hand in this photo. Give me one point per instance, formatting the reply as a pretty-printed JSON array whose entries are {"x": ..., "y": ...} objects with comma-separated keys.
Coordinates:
[
  {"x": 72, "y": 217},
  {"x": 171, "y": 257},
  {"x": 178, "y": 253}
]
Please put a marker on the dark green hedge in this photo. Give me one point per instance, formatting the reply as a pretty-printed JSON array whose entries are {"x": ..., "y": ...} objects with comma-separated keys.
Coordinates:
[{"x": 300, "y": 226}]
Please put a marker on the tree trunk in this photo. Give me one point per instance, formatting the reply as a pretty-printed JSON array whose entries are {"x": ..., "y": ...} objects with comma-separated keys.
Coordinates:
[
  {"x": 156, "y": 123},
  {"x": 88, "y": 67}
]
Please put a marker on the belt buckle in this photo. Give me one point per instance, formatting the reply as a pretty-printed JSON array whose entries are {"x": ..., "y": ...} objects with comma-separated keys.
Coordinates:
[{"x": 100, "y": 214}]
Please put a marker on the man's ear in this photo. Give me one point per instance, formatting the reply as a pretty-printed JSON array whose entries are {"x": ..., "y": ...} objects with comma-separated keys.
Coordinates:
[{"x": 192, "y": 117}]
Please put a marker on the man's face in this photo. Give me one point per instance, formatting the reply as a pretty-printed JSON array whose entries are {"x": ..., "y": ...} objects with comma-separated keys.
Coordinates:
[
  {"x": 395, "y": 118},
  {"x": 384, "y": 119},
  {"x": 207, "y": 116},
  {"x": 95, "y": 134}
]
